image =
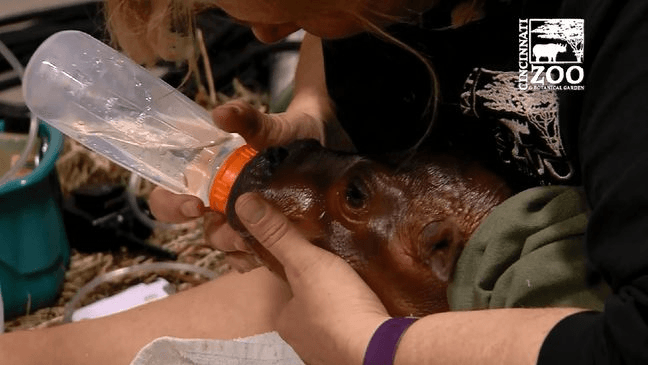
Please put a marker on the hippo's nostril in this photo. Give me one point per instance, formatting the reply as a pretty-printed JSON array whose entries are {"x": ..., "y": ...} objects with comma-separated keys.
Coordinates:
[{"x": 275, "y": 156}]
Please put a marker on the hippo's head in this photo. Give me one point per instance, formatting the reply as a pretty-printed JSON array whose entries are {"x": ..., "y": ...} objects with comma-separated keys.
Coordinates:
[{"x": 402, "y": 229}]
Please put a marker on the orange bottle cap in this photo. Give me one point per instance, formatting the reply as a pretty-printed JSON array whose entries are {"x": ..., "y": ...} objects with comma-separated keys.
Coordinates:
[{"x": 226, "y": 176}]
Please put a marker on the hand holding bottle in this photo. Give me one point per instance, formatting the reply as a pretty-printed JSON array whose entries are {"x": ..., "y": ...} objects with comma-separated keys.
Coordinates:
[
  {"x": 115, "y": 107},
  {"x": 260, "y": 130}
]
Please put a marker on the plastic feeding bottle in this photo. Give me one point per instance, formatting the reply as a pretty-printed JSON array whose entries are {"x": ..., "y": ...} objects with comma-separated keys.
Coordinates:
[{"x": 115, "y": 107}]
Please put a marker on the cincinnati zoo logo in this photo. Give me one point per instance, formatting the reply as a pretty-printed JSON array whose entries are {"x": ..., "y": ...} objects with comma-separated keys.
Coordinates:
[{"x": 551, "y": 54}]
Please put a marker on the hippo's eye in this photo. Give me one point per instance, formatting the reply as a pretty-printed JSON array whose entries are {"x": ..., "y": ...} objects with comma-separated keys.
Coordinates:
[{"x": 356, "y": 193}]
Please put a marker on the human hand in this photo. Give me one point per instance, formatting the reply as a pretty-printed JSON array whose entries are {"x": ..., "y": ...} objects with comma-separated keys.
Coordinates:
[
  {"x": 262, "y": 130},
  {"x": 176, "y": 208},
  {"x": 309, "y": 115},
  {"x": 258, "y": 129},
  {"x": 332, "y": 313},
  {"x": 303, "y": 119}
]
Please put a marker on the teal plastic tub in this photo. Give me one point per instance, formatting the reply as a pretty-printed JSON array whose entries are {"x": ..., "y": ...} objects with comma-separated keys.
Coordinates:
[{"x": 34, "y": 250}]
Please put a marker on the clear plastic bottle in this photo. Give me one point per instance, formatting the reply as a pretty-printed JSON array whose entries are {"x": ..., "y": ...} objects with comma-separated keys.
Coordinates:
[{"x": 115, "y": 107}]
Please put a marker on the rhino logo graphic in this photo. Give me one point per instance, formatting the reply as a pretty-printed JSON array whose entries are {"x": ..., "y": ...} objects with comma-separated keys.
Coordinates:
[
  {"x": 548, "y": 51},
  {"x": 557, "y": 40}
]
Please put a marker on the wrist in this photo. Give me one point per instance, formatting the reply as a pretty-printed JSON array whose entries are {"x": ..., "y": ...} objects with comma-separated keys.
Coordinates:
[
  {"x": 359, "y": 338},
  {"x": 384, "y": 342}
]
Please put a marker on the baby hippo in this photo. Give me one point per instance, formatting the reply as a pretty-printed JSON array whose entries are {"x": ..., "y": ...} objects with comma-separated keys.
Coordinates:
[{"x": 401, "y": 227}]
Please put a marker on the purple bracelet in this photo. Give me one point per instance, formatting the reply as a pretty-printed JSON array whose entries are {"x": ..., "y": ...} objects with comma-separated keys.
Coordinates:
[{"x": 382, "y": 346}]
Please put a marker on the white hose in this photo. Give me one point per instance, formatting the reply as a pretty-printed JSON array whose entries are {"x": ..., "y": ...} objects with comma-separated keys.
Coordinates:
[
  {"x": 33, "y": 126},
  {"x": 70, "y": 307},
  {"x": 131, "y": 194}
]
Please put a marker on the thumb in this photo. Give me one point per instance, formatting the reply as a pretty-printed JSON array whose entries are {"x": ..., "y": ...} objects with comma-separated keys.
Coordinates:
[
  {"x": 174, "y": 208},
  {"x": 259, "y": 129},
  {"x": 278, "y": 235}
]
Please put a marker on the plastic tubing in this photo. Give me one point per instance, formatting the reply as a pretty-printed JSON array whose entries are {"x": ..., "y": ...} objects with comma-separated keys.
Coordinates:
[
  {"x": 137, "y": 269},
  {"x": 131, "y": 195},
  {"x": 33, "y": 126}
]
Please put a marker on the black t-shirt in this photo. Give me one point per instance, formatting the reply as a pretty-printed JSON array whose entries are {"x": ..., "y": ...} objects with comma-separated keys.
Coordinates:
[{"x": 596, "y": 137}]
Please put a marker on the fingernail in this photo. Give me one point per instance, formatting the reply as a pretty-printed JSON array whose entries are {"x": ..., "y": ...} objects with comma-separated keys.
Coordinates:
[
  {"x": 250, "y": 209},
  {"x": 190, "y": 209}
]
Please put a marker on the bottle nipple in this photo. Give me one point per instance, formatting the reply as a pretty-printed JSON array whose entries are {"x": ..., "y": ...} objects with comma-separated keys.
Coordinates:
[{"x": 226, "y": 176}]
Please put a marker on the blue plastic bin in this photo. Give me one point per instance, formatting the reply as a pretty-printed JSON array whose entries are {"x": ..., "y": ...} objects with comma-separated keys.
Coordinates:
[{"x": 34, "y": 250}]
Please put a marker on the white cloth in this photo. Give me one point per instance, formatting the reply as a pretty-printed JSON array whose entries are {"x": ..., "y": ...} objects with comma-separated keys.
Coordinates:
[{"x": 263, "y": 349}]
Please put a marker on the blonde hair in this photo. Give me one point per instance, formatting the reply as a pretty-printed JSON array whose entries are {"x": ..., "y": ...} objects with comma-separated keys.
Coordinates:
[
  {"x": 150, "y": 29},
  {"x": 147, "y": 30}
]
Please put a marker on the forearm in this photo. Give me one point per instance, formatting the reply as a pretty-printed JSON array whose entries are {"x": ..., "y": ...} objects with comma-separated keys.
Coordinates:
[
  {"x": 310, "y": 96},
  {"x": 310, "y": 85},
  {"x": 498, "y": 336},
  {"x": 235, "y": 305}
]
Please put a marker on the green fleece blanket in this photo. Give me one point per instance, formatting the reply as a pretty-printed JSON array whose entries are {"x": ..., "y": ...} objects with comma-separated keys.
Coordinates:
[{"x": 529, "y": 252}]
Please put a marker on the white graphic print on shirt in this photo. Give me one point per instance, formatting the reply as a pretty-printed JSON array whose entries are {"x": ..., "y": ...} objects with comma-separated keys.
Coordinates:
[{"x": 527, "y": 127}]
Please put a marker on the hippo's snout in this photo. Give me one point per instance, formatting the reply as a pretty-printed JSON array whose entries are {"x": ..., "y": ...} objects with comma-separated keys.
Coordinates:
[
  {"x": 279, "y": 166},
  {"x": 268, "y": 161},
  {"x": 275, "y": 156},
  {"x": 283, "y": 176}
]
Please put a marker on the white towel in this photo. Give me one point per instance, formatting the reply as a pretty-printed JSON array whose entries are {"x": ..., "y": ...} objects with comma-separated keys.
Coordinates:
[{"x": 263, "y": 349}]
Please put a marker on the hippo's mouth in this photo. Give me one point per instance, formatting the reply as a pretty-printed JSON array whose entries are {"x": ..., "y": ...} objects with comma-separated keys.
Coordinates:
[{"x": 257, "y": 176}]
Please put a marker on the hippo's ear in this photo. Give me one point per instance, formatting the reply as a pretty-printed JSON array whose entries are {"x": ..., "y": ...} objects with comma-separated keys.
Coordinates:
[{"x": 440, "y": 246}]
